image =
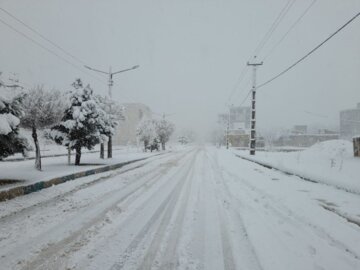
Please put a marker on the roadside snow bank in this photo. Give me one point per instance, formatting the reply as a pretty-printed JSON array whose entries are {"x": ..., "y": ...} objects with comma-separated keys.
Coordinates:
[{"x": 330, "y": 162}]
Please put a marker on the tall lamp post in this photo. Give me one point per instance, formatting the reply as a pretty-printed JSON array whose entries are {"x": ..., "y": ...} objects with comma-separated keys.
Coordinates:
[{"x": 110, "y": 84}]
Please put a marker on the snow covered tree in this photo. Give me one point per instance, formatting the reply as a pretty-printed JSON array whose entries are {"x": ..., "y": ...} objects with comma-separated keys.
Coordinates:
[
  {"x": 164, "y": 129},
  {"x": 113, "y": 114},
  {"x": 42, "y": 109},
  {"x": 146, "y": 132},
  {"x": 11, "y": 141},
  {"x": 83, "y": 122},
  {"x": 186, "y": 136},
  {"x": 183, "y": 139}
]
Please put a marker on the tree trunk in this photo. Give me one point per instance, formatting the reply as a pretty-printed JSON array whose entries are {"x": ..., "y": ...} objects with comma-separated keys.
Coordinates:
[
  {"x": 37, "y": 149},
  {"x": 102, "y": 150},
  {"x": 163, "y": 145},
  {"x": 69, "y": 155},
  {"x": 110, "y": 147},
  {"x": 78, "y": 155},
  {"x": 145, "y": 145}
]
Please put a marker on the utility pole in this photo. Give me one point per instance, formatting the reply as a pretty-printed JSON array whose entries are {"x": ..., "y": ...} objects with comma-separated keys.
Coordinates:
[
  {"x": 227, "y": 132},
  {"x": 111, "y": 74},
  {"x": 253, "y": 108},
  {"x": 110, "y": 84},
  {"x": 228, "y": 128}
]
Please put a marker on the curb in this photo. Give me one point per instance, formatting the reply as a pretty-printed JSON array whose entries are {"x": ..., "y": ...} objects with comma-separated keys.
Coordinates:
[
  {"x": 294, "y": 174},
  {"x": 24, "y": 190},
  {"x": 274, "y": 168}
]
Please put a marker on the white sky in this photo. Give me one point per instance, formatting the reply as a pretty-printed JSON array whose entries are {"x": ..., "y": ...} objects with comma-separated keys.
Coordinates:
[{"x": 191, "y": 53}]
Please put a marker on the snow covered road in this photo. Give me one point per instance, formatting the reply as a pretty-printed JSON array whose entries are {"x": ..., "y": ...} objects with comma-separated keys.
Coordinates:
[{"x": 200, "y": 208}]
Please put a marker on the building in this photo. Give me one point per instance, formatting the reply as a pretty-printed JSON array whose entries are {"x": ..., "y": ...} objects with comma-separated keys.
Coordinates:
[
  {"x": 238, "y": 138},
  {"x": 299, "y": 129},
  {"x": 299, "y": 137},
  {"x": 350, "y": 123},
  {"x": 125, "y": 133},
  {"x": 239, "y": 125},
  {"x": 240, "y": 118}
]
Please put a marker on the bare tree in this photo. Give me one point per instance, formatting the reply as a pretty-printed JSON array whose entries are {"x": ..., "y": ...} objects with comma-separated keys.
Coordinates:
[{"x": 42, "y": 109}]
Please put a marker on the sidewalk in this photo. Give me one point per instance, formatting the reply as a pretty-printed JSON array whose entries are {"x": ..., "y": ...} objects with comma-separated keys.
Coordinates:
[
  {"x": 331, "y": 163},
  {"x": 57, "y": 171}
]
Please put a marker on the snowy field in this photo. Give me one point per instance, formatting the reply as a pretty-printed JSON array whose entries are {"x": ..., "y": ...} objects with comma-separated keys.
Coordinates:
[
  {"x": 329, "y": 162},
  {"x": 199, "y": 208}
]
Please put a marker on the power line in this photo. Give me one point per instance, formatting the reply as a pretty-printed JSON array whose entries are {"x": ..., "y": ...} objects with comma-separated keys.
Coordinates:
[
  {"x": 274, "y": 26},
  {"x": 238, "y": 82},
  {"x": 309, "y": 53},
  {"x": 262, "y": 43},
  {"x": 245, "y": 86},
  {"x": 42, "y": 36},
  {"x": 47, "y": 49},
  {"x": 247, "y": 95},
  {"x": 290, "y": 29},
  {"x": 302, "y": 58}
]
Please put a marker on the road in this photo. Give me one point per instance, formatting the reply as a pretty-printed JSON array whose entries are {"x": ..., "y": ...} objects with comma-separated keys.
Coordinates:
[{"x": 198, "y": 208}]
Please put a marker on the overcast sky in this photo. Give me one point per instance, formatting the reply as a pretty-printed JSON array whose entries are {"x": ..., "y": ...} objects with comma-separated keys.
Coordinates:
[{"x": 191, "y": 53}]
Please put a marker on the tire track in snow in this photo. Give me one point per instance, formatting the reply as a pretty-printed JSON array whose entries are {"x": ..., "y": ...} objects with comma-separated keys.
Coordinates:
[
  {"x": 170, "y": 260},
  {"x": 108, "y": 203},
  {"x": 231, "y": 221},
  {"x": 31, "y": 214},
  {"x": 273, "y": 208},
  {"x": 53, "y": 200},
  {"x": 163, "y": 213}
]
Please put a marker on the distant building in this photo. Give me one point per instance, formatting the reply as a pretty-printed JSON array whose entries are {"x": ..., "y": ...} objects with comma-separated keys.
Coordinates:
[
  {"x": 350, "y": 123},
  {"x": 126, "y": 130},
  {"x": 304, "y": 140},
  {"x": 239, "y": 125},
  {"x": 299, "y": 137},
  {"x": 299, "y": 129},
  {"x": 240, "y": 118}
]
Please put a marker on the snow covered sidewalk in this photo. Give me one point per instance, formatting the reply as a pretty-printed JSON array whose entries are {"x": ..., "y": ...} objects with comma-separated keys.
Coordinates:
[
  {"x": 330, "y": 162},
  {"x": 56, "y": 170}
]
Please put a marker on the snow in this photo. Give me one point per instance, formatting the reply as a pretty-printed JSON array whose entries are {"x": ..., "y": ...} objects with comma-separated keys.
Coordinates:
[
  {"x": 330, "y": 162},
  {"x": 57, "y": 166},
  {"x": 8, "y": 122},
  {"x": 193, "y": 208}
]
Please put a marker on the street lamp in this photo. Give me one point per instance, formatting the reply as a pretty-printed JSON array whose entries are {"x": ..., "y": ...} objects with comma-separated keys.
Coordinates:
[
  {"x": 110, "y": 84},
  {"x": 110, "y": 74}
]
